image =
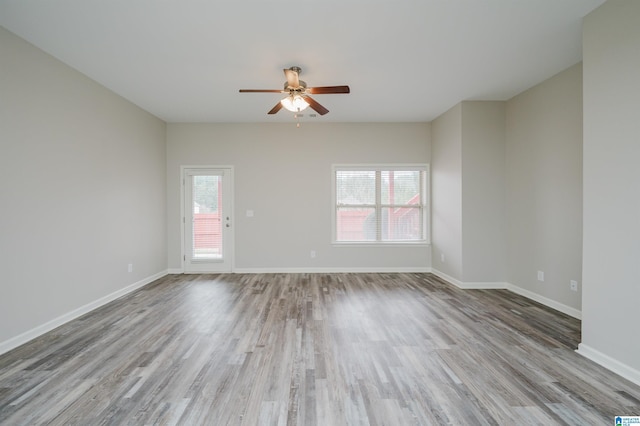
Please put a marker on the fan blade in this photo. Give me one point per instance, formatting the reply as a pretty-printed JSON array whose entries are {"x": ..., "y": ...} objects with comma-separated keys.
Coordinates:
[
  {"x": 315, "y": 105},
  {"x": 276, "y": 108},
  {"x": 261, "y": 91},
  {"x": 292, "y": 78},
  {"x": 327, "y": 90}
]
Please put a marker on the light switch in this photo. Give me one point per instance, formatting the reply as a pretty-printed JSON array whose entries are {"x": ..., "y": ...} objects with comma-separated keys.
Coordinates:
[{"x": 249, "y": 213}]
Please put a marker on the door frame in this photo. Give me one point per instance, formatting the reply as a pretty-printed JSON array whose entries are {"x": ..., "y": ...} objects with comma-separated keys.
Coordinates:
[{"x": 230, "y": 202}]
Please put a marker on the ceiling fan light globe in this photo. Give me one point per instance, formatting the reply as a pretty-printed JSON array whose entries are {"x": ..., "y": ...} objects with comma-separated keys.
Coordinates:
[{"x": 294, "y": 103}]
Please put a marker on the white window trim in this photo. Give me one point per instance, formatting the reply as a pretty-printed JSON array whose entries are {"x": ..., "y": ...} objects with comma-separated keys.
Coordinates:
[{"x": 426, "y": 211}]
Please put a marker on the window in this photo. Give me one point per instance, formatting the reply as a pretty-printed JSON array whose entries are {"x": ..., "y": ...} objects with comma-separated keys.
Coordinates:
[{"x": 380, "y": 204}]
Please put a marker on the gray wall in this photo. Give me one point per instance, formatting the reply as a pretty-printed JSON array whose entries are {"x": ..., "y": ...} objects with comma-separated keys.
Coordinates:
[
  {"x": 507, "y": 192},
  {"x": 483, "y": 192},
  {"x": 544, "y": 187},
  {"x": 283, "y": 174},
  {"x": 446, "y": 192},
  {"x": 468, "y": 144},
  {"x": 611, "y": 255},
  {"x": 82, "y": 186}
]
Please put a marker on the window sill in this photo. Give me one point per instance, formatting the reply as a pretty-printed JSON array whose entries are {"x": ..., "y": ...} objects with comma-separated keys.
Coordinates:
[{"x": 381, "y": 244}]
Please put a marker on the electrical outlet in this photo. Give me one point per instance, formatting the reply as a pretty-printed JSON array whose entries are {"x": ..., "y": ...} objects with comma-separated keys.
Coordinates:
[
  {"x": 573, "y": 284},
  {"x": 130, "y": 267},
  {"x": 313, "y": 254},
  {"x": 540, "y": 276},
  {"x": 442, "y": 257}
]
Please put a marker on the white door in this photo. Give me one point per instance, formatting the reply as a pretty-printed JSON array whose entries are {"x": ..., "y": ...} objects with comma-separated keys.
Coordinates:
[{"x": 208, "y": 231}]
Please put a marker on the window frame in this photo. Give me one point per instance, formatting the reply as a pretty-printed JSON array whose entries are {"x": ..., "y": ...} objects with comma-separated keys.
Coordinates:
[{"x": 381, "y": 167}]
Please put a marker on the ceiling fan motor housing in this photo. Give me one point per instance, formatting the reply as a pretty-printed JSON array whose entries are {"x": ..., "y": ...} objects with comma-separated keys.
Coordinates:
[{"x": 302, "y": 85}]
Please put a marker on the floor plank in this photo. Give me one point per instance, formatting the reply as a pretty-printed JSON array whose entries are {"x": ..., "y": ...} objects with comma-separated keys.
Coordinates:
[{"x": 311, "y": 349}]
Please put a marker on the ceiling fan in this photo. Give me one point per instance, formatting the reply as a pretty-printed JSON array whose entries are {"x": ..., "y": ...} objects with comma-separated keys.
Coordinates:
[{"x": 298, "y": 93}]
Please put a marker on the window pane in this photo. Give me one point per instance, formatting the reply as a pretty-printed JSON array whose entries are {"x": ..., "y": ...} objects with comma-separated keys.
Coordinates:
[
  {"x": 379, "y": 204},
  {"x": 400, "y": 187},
  {"x": 401, "y": 224},
  {"x": 355, "y": 224},
  {"x": 207, "y": 226},
  {"x": 355, "y": 187}
]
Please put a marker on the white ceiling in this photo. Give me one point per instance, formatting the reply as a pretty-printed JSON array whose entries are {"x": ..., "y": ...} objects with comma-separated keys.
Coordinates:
[{"x": 405, "y": 60}]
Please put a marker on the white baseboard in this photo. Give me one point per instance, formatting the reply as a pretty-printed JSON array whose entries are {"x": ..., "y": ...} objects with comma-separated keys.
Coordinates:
[
  {"x": 20, "y": 339},
  {"x": 485, "y": 285},
  {"x": 572, "y": 312},
  {"x": 470, "y": 285},
  {"x": 447, "y": 278},
  {"x": 609, "y": 363},
  {"x": 331, "y": 270},
  {"x": 326, "y": 270},
  {"x": 575, "y": 313}
]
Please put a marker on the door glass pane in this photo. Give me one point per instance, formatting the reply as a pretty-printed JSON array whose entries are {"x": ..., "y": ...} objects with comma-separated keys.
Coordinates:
[{"x": 207, "y": 224}]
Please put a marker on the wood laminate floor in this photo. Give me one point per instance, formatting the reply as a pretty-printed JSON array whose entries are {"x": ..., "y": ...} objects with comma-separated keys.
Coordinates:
[{"x": 312, "y": 349}]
